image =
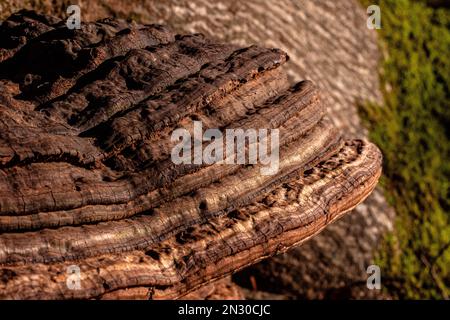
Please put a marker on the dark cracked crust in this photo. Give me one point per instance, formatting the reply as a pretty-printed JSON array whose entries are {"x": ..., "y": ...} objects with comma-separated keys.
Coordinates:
[
  {"x": 85, "y": 171},
  {"x": 288, "y": 215}
]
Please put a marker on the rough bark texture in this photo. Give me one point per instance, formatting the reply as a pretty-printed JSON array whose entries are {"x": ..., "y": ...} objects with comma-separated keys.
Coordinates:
[
  {"x": 223, "y": 289},
  {"x": 328, "y": 42},
  {"x": 86, "y": 173}
]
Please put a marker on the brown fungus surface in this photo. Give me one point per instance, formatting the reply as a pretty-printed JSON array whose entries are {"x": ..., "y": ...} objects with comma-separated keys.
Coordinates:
[{"x": 86, "y": 175}]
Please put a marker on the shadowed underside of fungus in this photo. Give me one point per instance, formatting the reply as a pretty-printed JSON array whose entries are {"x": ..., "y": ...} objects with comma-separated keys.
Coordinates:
[{"x": 86, "y": 176}]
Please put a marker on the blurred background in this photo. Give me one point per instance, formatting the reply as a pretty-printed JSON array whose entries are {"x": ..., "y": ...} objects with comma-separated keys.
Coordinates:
[{"x": 390, "y": 85}]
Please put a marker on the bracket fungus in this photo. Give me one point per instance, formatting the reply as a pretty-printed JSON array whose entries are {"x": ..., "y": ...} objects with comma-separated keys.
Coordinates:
[{"x": 86, "y": 176}]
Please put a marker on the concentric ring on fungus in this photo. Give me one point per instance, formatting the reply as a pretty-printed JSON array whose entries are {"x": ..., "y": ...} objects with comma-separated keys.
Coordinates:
[{"x": 86, "y": 177}]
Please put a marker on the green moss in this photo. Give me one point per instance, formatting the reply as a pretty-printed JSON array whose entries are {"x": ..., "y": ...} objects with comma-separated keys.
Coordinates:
[{"x": 412, "y": 129}]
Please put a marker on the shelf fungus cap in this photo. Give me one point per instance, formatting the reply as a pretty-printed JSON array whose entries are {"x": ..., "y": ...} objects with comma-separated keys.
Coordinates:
[{"x": 92, "y": 202}]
